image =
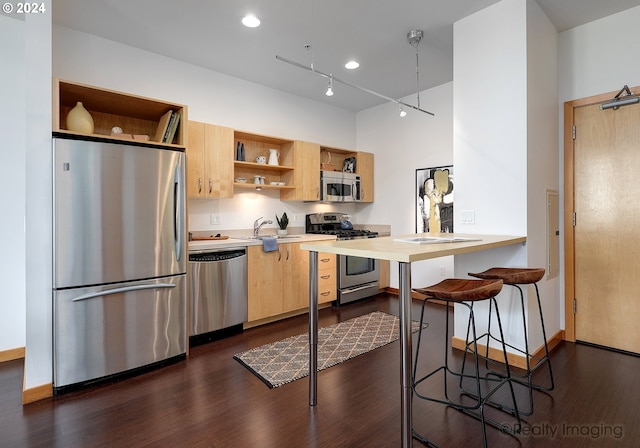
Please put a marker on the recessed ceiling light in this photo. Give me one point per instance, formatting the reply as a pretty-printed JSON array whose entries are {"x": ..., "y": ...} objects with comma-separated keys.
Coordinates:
[
  {"x": 351, "y": 65},
  {"x": 250, "y": 21}
]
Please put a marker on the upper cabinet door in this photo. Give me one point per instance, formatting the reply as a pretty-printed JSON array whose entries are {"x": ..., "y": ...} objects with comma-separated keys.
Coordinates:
[
  {"x": 306, "y": 173},
  {"x": 364, "y": 167},
  {"x": 209, "y": 161},
  {"x": 195, "y": 160}
]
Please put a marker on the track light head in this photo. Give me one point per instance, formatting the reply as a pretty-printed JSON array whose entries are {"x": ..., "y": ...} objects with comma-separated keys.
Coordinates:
[
  {"x": 329, "y": 91},
  {"x": 403, "y": 113}
]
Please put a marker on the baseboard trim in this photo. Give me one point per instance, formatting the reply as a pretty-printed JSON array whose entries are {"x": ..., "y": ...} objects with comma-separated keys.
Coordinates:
[
  {"x": 11, "y": 354},
  {"x": 414, "y": 295},
  {"x": 515, "y": 359},
  {"x": 37, "y": 393},
  {"x": 268, "y": 320}
]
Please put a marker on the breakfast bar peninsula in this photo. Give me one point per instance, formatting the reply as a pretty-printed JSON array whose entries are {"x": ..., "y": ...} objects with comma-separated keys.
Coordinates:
[{"x": 405, "y": 250}]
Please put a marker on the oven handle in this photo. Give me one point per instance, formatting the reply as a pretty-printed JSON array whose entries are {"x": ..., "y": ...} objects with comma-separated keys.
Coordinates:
[{"x": 358, "y": 288}]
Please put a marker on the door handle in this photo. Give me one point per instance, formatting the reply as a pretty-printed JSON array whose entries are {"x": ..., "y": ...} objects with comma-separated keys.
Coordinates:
[
  {"x": 199, "y": 184},
  {"x": 93, "y": 295}
]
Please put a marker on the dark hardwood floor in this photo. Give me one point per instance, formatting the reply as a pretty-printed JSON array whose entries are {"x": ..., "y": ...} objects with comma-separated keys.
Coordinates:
[{"x": 210, "y": 400}]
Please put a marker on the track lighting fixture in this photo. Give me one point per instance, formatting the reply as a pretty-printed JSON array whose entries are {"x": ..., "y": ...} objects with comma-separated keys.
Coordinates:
[
  {"x": 403, "y": 113},
  {"x": 618, "y": 100},
  {"x": 413, "y": 38},
  {"x": 329, "y": 91}
]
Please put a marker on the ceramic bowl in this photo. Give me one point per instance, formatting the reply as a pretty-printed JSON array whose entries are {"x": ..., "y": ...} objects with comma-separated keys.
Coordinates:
[{"x": 241, "y": 179}]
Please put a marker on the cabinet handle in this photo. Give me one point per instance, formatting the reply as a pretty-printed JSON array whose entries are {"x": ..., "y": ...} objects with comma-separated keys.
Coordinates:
[
  {"x": 318, "y": 193},
  {"x": 324, "y": 277},
  {"x": 210, "y": 185},
  {"x": 279, "y": 255},
  {"x": 326, "y": 293},
  {"x": 199, "y": 184},
  {"x": 325, "y": 260},
  {"x": 287, "y": 259}
]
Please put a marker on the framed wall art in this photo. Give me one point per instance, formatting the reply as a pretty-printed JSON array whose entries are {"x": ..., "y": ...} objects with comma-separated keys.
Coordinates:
[{"x": 434, "y": 199}]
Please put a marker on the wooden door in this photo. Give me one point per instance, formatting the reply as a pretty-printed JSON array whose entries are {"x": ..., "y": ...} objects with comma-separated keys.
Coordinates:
[{"x": 607, "y": 213}]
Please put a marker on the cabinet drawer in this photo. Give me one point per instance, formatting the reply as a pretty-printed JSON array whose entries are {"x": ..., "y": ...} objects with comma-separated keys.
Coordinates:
[
  {"x": 326, "y": 285},
  {"x": 326, "y": 261}
]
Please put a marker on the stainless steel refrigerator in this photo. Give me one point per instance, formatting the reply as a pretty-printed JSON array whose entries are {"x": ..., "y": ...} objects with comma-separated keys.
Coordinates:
[{"x": 119, "y": 259}]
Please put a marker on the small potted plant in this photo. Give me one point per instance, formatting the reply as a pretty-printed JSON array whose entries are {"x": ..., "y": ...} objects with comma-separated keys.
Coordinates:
[{"x": 283, "y": 222}]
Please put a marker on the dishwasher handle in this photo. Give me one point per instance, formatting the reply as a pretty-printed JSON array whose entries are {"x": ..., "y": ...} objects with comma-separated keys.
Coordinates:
[{"x": 218, "y": 255}]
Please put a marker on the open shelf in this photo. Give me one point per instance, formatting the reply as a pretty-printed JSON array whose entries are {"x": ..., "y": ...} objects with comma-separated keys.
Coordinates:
[{"x": 135, "y": 115}]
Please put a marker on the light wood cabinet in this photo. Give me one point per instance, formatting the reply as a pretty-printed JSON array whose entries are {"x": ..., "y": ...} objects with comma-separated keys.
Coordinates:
[
  {"x": 135, "y": 115},
  {"x": 264, "y": 274},
  {"x": 279, "y": 280},
  {"x": 327, "y": 283},
  {"x": 209, "y": 161},
  {"x": 364, "y": 167},
  {"x": 306, "y": 174}
]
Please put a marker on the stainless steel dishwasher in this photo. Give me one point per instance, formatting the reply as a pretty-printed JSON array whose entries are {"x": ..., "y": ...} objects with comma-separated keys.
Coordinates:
[{"x": 217, "y": 292}]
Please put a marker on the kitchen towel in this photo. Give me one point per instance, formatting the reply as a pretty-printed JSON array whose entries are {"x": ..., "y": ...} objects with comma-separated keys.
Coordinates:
[{"x": 269, "y": 243}]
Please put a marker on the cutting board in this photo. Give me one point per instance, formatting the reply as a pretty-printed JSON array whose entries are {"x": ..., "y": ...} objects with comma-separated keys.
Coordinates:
[{"x": 208, "y": 238}]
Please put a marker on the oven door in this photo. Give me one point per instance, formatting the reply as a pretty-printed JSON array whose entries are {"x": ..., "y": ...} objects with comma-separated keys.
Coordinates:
[
  {"x": 356, "y": 271},
  {"x": 357, "y": 278}
]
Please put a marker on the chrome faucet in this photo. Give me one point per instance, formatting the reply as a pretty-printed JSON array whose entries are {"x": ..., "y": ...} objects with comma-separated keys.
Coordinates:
[{"x": 257, "y": 225}]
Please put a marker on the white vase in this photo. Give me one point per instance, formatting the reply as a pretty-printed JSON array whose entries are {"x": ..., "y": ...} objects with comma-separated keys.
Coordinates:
[
  {"x": 274, "y": 156},
  {"x": 80, "y": 120},
  {"x": 282, "y": 231}
]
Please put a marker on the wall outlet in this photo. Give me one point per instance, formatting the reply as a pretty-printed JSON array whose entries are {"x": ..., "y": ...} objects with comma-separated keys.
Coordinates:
[
  {"x": 442, "y": 271},
  {"x": 468, "y": 216},
  {"x": 296, "y": 217},
  {"x": 214, "y": 219}
]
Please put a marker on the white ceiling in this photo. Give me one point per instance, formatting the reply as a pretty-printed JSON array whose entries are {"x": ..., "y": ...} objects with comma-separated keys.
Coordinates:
[{"x": 209, "y": 34}]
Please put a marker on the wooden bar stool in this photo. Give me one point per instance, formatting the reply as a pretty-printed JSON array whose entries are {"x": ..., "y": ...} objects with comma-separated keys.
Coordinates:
[
  {"x": 465, "y": 292},
  {"x": 517, "y": 277}
]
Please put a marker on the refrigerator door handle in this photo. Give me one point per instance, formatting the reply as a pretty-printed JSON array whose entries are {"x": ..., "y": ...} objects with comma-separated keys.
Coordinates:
[
  {"x": 177, "y": 212},
  {"x": 93, "y": 295}
]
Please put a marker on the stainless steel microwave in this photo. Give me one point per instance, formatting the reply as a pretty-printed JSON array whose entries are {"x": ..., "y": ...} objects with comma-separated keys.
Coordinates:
[{"x": 338, "y": 186}]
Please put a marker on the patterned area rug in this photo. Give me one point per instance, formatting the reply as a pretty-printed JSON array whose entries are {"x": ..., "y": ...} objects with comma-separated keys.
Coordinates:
[{"x": 287, "y": 360}]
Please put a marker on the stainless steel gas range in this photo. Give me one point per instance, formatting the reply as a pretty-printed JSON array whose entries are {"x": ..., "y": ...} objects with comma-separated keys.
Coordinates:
[{"x": 357, "y": 277}]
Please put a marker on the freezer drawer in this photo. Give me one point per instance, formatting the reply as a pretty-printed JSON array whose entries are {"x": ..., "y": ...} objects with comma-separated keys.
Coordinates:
[{"x": 104, "y": 330}]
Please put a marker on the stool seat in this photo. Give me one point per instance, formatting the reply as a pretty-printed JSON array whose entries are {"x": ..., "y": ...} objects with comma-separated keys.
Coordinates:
[
  {"x": 462, "y": 290},
  {"x": 512, "y": 276}
]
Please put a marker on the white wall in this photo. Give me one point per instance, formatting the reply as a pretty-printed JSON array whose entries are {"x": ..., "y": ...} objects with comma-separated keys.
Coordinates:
[
  {"x": 542, "y": 164},
  {"x": 490, "y": 140},
  {"x": 12, "y": 183},
  {"x": 600, "y": 56},
  {"x": 38, "y": 360},
  {"x": 400, "y": 146}
]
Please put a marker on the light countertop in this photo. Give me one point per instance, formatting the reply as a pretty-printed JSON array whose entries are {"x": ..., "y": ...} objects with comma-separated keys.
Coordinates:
[
  {"x": 241, "y": 242},
  {"x": 388, "y": 248}
]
